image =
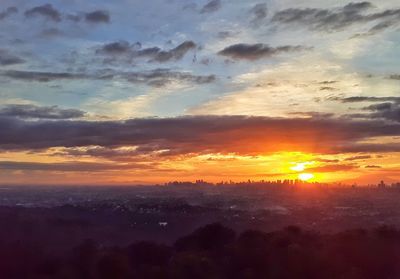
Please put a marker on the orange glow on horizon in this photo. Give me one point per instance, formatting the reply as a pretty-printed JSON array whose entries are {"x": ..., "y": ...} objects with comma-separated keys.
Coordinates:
[{"x": 53, "y": 166}]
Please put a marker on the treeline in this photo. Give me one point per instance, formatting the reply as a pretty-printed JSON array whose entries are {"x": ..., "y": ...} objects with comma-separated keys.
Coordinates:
[{"x": 215, "y": 251}]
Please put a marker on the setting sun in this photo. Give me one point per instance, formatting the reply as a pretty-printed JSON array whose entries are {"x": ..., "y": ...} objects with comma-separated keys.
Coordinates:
[{"x": 306, "y": 176}]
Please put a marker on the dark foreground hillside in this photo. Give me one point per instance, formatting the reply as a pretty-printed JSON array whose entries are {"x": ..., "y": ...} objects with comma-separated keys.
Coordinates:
[{"x": 215, "y": 251}]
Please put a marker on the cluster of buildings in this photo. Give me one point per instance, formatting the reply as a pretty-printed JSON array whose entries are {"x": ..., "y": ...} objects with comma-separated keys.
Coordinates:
[{"x": 279, "y": 182}]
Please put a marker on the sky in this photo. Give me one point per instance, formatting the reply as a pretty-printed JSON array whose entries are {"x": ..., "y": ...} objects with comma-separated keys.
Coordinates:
[{"x": 142, "y": 92}]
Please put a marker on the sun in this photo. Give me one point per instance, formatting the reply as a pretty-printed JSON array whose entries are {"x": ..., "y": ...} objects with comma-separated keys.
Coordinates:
[{"x": 306, "y": 176}]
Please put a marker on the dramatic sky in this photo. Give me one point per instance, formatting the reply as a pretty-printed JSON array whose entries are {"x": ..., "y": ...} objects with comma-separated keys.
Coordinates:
[{"x": 132, "y": 91}]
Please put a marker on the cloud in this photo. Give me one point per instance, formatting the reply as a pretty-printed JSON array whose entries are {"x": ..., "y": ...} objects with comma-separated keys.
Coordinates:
[
  {"x": 51, "y": 32},
  {"x": 99, "y": 16},
  {"x": 387, "y": 108},
  {"x": 323, "y": 160},
  {"x": 332, "y": 168},
  {"x": 49, "y": 12},
  {"x": 6, "y": 58},
  {"x": 257, "y": 51},
  {"x": 369, "y": 148},
  {"x": 162, "y": 77},
  {"x": 389, "y": 111},
  {"x": 373, "y": 167},
  {"x": 259, "y": 12},
  {"x": 175, "y": 53},
  {"x": 131, "y": 51},
  {"x": 360, "y": 157},
  {"x": 225, "y": 34},
  {"x": 102, "y": 152},
  {"x": 8, "y": 12},
  {"x": 41, "y": 76},
  {"x": 212, "y": 6},
  {"x": 46, "y": 11},
  {"x": 328, "y": 88},
  {"x": 336, "y": 19},
  {"x": 199, "y": 135},
  {"x": 39, "y": 112},
  {"x": 357, "y": 99},
  {"x": 116, "y": 48},
  {"x": 155, "y": 78},
  {"x": 69, "y": 166}
]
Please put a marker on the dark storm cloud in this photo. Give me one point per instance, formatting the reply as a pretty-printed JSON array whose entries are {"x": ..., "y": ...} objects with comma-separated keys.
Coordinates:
[
  {"x": 8, "y": 12},
  {"x": 69, "y": 166},
  {"x": 155, "y": 78},
  {"x": 99, "y": 16},
  {"x": 39, "y": 112},
  {"x": 131, "y": 51},
  {"x": 338, "y": 18},
  {"x": 212, "y": 6},
  {"x": 46, "y": 10},
  {"x": 6, "y": 58},
  {"x": 198, "y": 134},
  {"x": 259, "y": 12},
  {"x": 257, "y": 51}
]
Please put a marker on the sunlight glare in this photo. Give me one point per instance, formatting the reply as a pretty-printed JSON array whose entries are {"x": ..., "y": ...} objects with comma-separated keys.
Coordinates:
[
  {"x": 306, "y": 176},
  {"x": 299, "y": 167}
]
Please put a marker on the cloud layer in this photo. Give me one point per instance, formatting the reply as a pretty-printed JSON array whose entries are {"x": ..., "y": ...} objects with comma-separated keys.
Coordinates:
[{"x": 199, "y": 135}]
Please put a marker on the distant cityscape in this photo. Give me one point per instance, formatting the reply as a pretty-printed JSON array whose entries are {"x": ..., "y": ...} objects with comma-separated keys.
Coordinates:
[{"x": 279, "y": 182}]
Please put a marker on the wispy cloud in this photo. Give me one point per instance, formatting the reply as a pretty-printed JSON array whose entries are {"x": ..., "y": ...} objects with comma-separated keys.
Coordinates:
[
  {"x": 39, "y": 112},
  {"x": 47, "y": 11},
  {"x": 336, "y": 19},
  {"x": 212, "y": 6}
]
